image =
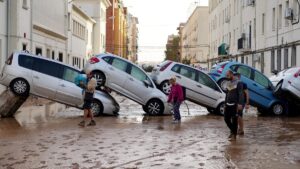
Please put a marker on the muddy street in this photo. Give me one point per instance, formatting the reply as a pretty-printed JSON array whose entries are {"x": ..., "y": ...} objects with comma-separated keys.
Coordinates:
[{"x": 46, "y": 135}]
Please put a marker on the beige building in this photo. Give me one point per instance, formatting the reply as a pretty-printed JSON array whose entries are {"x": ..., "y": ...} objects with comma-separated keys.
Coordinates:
[
  {"x": 263, "y": 34},
  {"x": 132, "y": 38},
  {"x": 194, "y": 34}
]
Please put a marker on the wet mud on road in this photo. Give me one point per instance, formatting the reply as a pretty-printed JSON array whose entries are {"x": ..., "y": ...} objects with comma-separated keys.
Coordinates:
[{"x": 47, "y": 136}]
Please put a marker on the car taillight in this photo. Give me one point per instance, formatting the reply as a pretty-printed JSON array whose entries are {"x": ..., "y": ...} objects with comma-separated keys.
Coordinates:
[
  {"x": 220, "y": 70},
  {"x": 165, "y": 66},
  {"x": 9, "y": 60},
  {"x": 297, "y": 73},
  {"x": 94, "y": 60}
]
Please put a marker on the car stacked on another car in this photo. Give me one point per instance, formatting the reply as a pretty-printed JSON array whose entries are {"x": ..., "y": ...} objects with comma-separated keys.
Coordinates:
[
  {"x": 287, "y": 83},
  {"x": 199, "y": 87},
  {"x": 28, "y": 74},
  {"x": 259, "y": 86},
  {"x": 129, "y": 80}
]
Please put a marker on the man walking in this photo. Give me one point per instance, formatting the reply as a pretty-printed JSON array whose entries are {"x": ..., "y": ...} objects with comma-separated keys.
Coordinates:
[{"x": 234, "y": 100}]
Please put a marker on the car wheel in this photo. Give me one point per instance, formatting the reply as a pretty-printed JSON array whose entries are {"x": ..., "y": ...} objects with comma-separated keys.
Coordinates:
[
  {"x": 222, "y": 83},
  {"x": 100, "y": 77},
  {"x": 277, "y": 109},
  {"x": 20, "y": 87},
  {"x": 144, "y": 108},
  {"x": 278, "y": 89},
  {"x": 155, "y": 107},
  {"x": 220, "y": 109},
  {"x": 165, "y": 87},
  {"x": 210, "y": 110},
  {"x": 97, "y": 108}
]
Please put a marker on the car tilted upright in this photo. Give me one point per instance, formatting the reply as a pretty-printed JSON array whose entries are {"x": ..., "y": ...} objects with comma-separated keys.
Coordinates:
[
  {"x": 129, "y": 80},
  {"x": 199, "y": 87},
  {"x": 259, "y": 86},
  {"x": 26, "y": 74}
]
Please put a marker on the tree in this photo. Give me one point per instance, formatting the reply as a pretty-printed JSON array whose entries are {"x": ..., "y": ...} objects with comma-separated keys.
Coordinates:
[
  {"x": 186, "y": 61},
  {"x": 172, "y": 49}
]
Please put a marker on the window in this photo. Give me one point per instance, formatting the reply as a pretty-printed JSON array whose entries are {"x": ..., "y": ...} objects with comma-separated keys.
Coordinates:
[
  {"x": 273, "y": 19},
  {"x": 138, "y": 73},
  {"x": 119, "y": 64},
  {"x": 294, "y": 54},
  {"x": 175, "y": 68},
  {"x": 207, "y": 81},
  {"x": 272, "y": 60},
  {"x": 106, "y": 59},
  {"x": 188, "y": 72},
  {"x": 245, "y": 71},
  {"x": 48, "y": 53},
  {"x": 38, "y": 51},
  {"x": 48, "y": 67},
  {"x": 79, "y": 30},
  {"x": 70, "y": 74},
  {"x": 261, "y": 79},
  {"x": 60, "y": 57},
  {"x": 24, "y": 46},
  {"x": 53, "y": 55},
  {"x": 25, "y": 61},
  {"x": 263, "y": 19},
  {"x": 287, "y": 5},
  {"x": 280, "y": 16},
  {"x": 279, "y": 59},
  {"x": 25, "y": 4},
  {"x": 286, "y": 58}
]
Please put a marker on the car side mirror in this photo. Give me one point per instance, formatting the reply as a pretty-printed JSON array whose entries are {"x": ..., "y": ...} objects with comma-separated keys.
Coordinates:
[
  {"x": 275, "y": 72},
  {"x": 146, "y": 83}
]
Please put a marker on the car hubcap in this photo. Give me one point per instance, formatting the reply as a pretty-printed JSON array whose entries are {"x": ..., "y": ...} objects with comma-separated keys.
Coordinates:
[
  {"x": 166, "y": 88},
  {"x": 95, "y": 109},
  {"x": 154, "y": 108},
  {"x": 20, "y": 87},
  {"x": 223, "y": 84},
  {"x": 222, "y": 109},
  {"x": 99, "y": 79},
  {"x": 278, "y": 109}
]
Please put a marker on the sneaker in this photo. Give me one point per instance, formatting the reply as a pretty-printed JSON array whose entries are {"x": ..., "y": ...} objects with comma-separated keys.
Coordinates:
[
  {"x": 232, "y": 138},
  {"x": 92, "y": 123},
  {"x": 82, "y": 123}
]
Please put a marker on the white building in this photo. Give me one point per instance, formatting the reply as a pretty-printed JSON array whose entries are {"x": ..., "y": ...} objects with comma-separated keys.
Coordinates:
[
  {"x": 195, "y": 42},
  {"x": 80, "y": 36},
  {"x": 3, "y": 32},
  {"x": 132, "y": 37},
  {"x": 96, "y": 9},
  {"x": 261, "y": 33}
]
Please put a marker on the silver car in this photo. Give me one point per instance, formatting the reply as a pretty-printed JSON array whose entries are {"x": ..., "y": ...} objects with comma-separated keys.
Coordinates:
[
  {"x": 28, "y": 74},
  {"x": 199, "y": 87},
  {"x": 129, "y": 80}
]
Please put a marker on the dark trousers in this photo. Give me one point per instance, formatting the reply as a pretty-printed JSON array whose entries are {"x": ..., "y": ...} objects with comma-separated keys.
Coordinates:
[
  {"x": 176, "y": 106},
  {"x": 230, "y": 118}
]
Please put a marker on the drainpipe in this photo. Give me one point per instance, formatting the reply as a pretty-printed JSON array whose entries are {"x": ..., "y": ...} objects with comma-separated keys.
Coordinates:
[{"x": 8, "y": 28}]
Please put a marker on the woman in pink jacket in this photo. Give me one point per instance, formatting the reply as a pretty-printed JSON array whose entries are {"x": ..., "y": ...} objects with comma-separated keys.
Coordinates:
[{"x": 176, "y": 97}]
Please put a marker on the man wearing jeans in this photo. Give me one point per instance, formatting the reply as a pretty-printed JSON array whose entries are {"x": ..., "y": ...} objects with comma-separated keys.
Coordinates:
[{"x": 234, "y": 100}]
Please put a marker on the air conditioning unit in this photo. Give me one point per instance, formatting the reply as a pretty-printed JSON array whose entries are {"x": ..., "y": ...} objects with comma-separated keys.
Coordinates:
[
  {"x": 288, "y": 14},
  {"x": 250, "y": 2}
]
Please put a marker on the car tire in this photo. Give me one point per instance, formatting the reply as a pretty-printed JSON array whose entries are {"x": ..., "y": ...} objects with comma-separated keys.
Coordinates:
[
  {"x": 220, "y": 109},
  {"x": 144, "y": 108},
  {"x": 100, "y": 77},
  {"x": 20, "y": 87},
  {"x": 97, "y": 108},
  {"x": 165, "y": 87},
  {"x": 277, "y": 109},
  {"x": 154, "y": 107},
  {"x": 211, "y": 110},
  {"x": 222, "y": 83},
  {"x": 278, "y": 89}
]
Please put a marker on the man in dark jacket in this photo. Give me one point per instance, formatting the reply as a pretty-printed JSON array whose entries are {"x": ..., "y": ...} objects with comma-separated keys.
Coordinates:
[{"x": 234, "y": 101}]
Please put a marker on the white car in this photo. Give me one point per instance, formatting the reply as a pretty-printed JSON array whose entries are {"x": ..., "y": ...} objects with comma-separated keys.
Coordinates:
[
  {"x": 287, "y": 81},
  {"x": 28, "y": 74},
  {"x": 199, "y": 87},
  {"x": 129, "y": 80}
]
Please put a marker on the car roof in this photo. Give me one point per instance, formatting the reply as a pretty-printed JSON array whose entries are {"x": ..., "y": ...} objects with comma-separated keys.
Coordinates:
[
  {"x": 42, "y": 57},
  {"x": 187, "y": 66}
]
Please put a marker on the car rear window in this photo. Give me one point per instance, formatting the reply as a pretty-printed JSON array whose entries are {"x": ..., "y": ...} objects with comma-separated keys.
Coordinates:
[{"x": 47, "y": 67}]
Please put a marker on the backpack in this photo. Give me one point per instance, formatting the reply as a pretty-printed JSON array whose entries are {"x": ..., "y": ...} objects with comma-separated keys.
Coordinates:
[{"x": 81, "y": 78}]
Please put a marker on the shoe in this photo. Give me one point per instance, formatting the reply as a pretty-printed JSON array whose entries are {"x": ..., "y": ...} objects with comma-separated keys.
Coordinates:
[
  {"x": 82, "y": 123},
  {"x": 241, "y": 132},
  {"x": 175, "y": 121},
  {"x": 92, "y": 123},
  {"x": 232, "y": 138}
]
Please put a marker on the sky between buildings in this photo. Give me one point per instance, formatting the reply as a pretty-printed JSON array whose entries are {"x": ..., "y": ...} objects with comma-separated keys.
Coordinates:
[{"x": 157, "y": 20}]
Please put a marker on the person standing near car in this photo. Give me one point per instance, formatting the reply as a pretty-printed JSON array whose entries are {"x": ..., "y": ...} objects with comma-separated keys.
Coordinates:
[
  {"x": 245, "y": 106},
  {"x": 234, "y": 101},
  {"x": 176, "y": 98}
]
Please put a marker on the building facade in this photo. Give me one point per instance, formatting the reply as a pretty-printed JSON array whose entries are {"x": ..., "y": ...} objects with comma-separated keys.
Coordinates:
[
  {"x": 132, "y": 37},
  {"x": 195, "y": 38},
  {"x": 263, "y": 34}
]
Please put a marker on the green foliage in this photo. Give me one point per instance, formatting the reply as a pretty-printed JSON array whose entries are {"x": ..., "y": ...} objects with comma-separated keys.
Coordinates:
[
  {"x": 186, "y": 61},
  {"x": 172, "y": 51}
]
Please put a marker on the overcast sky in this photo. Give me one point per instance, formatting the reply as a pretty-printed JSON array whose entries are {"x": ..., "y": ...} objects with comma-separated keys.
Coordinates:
[{"x": 157, "y": 20}]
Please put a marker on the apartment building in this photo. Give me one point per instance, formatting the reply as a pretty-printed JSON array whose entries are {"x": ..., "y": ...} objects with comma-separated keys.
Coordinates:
[
  {"x": 132, "y": 38},
  {"x": 194, "y": 38},
  {"x": 263, "y": 34}
]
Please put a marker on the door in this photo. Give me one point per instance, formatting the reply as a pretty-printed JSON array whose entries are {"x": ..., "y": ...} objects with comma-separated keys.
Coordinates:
[
  {"x": 263, "y": 92},
  {"x": 117, "y": 74},
  {"x": 67, "y": 91},
  {"x": 186, "y": 77},
  {"x": 46, "y": 76},
  {"x": 246, "y": 78},
  {"x": 135, "y": 85}
]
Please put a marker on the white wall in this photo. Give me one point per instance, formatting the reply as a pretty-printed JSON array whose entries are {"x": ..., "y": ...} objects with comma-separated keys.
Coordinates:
[{"x": 3, "y": 33}]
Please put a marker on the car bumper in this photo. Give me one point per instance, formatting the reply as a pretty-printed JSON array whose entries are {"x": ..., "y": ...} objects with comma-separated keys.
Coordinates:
[{"x": 292, "y": 89}]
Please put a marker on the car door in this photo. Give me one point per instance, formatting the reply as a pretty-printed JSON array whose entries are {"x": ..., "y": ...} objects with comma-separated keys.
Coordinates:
[
  {"x": 262, "y": 89},
  {"x": 135, "y": 85},
  {"x": 117, "y": 74},
  {"x": 68, "y": 92},
  {"x": 46, "y": 76},
  {"x": 186, "y": 77},
  {"x": 207, "y": 89}
]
